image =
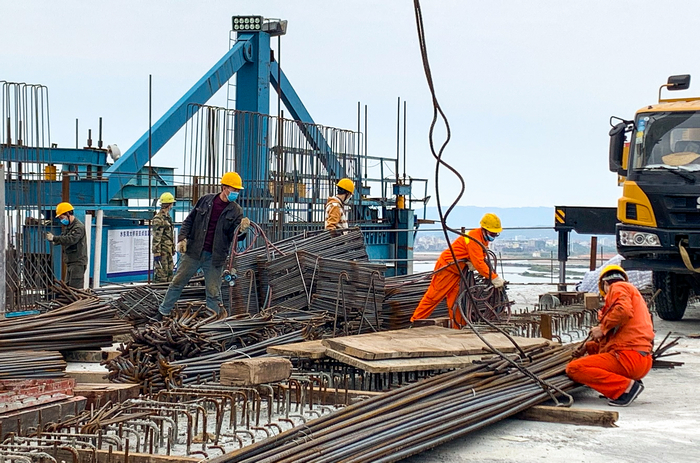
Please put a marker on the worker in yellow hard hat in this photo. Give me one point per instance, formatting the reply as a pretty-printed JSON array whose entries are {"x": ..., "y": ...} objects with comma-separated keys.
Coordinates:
[
  {"x": 470, "y": 251},
  {"x": 336, "y": 217},
  {"x": 619, "y": 353},
  {"x": 73, "y": 243},
  {"x": 163, "y": 243},
  {"x": 205, "y": 240}
]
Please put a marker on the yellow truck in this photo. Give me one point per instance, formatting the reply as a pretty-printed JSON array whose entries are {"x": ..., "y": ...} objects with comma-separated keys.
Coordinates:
[{"x": 657, "y": 156}]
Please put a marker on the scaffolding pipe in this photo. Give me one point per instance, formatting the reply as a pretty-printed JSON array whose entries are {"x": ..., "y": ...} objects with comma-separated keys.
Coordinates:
[
  {"x": 2, "y": 241},
  {"x": 98, "y": 249},
  {"x": 88, "y": 244}
]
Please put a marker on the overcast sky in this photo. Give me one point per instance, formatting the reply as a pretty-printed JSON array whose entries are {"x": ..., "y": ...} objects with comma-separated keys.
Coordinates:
[{"x": 528, "y": 86}]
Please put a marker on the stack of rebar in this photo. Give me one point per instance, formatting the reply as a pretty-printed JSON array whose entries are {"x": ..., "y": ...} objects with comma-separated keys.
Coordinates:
[
  {"x": 84, "y": 324},
  {"x": 402, "y": 295},
  {"x": 251, "y": 287},
  {"x": 31, "y": 364},
  {"x": 420, "y": 416}
]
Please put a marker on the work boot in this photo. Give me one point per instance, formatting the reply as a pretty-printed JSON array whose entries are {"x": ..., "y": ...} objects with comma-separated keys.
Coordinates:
[{"x": 628, "y": 397}]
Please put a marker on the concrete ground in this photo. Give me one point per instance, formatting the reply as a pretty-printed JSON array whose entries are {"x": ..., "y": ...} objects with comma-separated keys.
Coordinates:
[{"x": 662, "y": 425}]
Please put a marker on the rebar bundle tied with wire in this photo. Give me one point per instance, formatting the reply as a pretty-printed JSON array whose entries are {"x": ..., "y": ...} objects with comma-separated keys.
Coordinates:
[
  {"x": 252, "y": 291},
  {"x": 83, "y": 324},
  {"x": 31, "y": 364}
]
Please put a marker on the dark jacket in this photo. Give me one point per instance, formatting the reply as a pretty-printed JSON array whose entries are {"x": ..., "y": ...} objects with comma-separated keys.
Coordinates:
[
  {"x": 194, "y": 229},
  {"x": 72, "y": 239}
]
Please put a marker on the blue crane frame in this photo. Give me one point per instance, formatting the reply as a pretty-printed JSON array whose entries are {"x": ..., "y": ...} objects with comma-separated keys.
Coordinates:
[{"x": 250, "y": 59}]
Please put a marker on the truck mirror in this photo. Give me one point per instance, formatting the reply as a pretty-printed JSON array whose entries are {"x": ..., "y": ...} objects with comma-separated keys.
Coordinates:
[
  {"x": 680, "y": 82},
  {"x": 617, "y": 145}
]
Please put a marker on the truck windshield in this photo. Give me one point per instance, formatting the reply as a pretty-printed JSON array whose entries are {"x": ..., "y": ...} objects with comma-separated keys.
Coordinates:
[{"x": 666, "y": 141}]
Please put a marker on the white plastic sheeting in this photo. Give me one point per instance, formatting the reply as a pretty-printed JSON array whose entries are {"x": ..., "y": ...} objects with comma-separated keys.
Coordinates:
[{"x": 638, "y": 278}]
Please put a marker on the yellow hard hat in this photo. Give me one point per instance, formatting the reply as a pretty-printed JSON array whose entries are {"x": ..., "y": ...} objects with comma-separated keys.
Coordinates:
[
  {"x": 610, "y": 272},
  {"x": 167, "y": 198},
  {"x": 62, "y": 208},
  {"x": 347, "y": 185},
  {"x": 233, "y": 180},
  {"x": 491, "y": 222}
]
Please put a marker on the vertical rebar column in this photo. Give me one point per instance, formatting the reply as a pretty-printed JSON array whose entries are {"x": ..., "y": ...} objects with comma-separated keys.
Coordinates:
[{"x": 3, "y": 275}]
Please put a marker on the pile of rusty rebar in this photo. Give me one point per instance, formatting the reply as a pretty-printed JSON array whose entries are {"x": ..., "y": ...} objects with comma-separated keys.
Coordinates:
[
  {"x": 83, "y": 324},
  {"x": 402, "y": 295},
  {"x": 250, "y": 291},
  {"x": 417, "y": 417},
  {"x": 196, "y": 340},
  {"x": 31, "y": 364}
]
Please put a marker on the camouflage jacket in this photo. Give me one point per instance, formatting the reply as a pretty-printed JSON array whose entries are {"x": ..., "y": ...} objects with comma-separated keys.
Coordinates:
[
  {"x": 163, "y": 243},
  {"x": 72, "y": 240}
]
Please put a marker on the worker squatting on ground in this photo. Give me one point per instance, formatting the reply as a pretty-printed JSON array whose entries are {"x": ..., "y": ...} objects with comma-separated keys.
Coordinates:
[
  {"x": 204, "y": 242},
  {"x": 619, "y": 355},
  {"x": 336, "y": 219},
  {"x": 163, "y": 245},
  {"x": 445, "y": 282},
  {"x": 73, "y": 244}
]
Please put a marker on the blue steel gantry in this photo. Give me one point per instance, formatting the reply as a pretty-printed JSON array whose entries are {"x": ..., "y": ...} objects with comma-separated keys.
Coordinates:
[{"x": 91, "y": 184}]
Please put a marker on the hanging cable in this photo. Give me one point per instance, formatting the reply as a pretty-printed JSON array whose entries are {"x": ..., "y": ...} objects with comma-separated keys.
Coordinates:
[{"x": 437, "y": 111}]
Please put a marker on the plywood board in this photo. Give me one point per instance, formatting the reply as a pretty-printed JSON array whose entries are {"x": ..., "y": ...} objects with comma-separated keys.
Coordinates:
[
  {"x": 426, "y": 341},
  {"x": 308, "y": 349},
  {"x": 407, "y": 364}
]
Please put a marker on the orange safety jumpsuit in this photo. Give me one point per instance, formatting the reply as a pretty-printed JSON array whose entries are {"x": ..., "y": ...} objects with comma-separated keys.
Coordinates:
[
  {"x": 624, "y": 352},
  {"x": 445, "y": 281}
]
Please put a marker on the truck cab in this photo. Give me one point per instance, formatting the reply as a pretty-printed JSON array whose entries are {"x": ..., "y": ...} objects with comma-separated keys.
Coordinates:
[{"x": 657, "y": 155}]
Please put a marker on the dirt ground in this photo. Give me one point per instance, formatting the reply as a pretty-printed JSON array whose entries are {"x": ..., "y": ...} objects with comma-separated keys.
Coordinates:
[{"x": 662, "y": 425}]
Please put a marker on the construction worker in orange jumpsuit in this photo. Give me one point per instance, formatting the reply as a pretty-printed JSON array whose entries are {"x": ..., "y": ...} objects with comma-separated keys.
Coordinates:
[
  {"x": 619, "y": 355},
  {"x": 471, "y": 249}
]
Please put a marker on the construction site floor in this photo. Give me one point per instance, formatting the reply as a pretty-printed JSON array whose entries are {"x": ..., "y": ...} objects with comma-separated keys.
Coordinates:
[{"x": 662, "y": 425}]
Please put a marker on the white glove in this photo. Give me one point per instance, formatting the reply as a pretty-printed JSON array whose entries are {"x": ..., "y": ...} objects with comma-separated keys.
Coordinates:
[
  {"x": 470, "y": 266},
  {"x": 49, "y": 236},
  {"x": 182, "y": 246},
  {"x": 245, "y": 224},
  {"x": 498, "y": 282}
]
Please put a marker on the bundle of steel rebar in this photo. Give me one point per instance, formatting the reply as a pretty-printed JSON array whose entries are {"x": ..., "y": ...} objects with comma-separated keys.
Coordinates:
[
  {"x": 31, "y": 364},
  {"x": 401, "y": 297},
  {"x": 417, "y": 417},
  {"x": 251, "y": 288},
  {"x": 86, "y": 323},
  {"x": 197, "y": 336}
]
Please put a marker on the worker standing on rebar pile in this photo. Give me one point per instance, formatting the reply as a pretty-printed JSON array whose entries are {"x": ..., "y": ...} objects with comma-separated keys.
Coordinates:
[
  {"x": 73, "y": 243},
  {"x": 163, "y": 245},
  {"x": 445, "y": 282},
  {"x": 336, "y": 218},
  {"x": 619, "y": 355},
  {"x": 204, "y": 242}
]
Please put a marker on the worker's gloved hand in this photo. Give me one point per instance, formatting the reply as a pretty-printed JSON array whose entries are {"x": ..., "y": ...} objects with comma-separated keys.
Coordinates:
[
  {"x": 49, "y": 236},
  {"x": 471, "y": 267},
  {"x": 498, "y": 282},
  {"x": 245, "y": 224},
  {"x": 182, "y": 246}
]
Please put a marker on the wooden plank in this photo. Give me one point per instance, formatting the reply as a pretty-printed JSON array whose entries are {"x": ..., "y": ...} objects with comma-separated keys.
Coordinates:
[
  {"x": 408, "y": 364},
  {"x": 578, "y": 416},
  {"x": 308, "y": 349},
  {"x": 98, "y": 394},
  {"x": 425, "y": 341},
  {"x": 254, "y": 371}
]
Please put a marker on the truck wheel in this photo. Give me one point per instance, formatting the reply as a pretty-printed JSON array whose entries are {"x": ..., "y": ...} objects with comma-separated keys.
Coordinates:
[{"x": 673, "y": 299}]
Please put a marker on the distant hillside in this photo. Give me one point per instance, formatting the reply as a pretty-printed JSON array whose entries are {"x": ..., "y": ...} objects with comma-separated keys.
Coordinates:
[{"x": 511, "y": 217}]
